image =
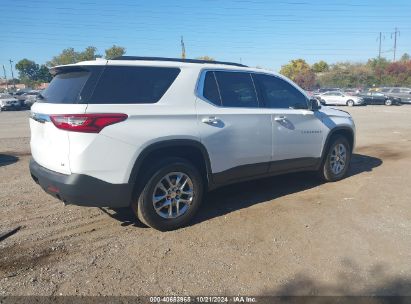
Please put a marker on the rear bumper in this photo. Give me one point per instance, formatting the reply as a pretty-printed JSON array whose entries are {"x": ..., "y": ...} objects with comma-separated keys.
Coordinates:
[{"x": 81, "y": 190}]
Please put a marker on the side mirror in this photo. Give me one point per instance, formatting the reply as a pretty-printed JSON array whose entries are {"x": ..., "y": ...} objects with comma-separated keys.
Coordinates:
[{"x": 314, "y": 104}]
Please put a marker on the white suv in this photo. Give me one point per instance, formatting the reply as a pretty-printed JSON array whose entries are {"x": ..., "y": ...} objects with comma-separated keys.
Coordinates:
[{"x": 155, "y": 133}]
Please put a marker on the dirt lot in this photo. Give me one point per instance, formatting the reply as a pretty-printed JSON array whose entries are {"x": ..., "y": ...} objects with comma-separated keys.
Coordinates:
[{"x": 282, "y": 235}]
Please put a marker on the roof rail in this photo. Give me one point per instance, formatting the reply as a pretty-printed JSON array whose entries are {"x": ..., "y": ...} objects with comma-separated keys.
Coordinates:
[{"x": 176, "y": 60}]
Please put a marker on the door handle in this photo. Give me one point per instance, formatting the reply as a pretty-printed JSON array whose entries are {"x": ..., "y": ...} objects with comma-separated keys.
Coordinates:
[
  {"x": 280, "y": 118},
  {"x": 211, "y": 120}
]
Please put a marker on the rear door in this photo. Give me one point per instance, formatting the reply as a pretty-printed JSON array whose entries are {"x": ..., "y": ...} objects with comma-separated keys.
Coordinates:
[
  {"x": 66, "y": 94},
  {"x": 233, "y": 128}
]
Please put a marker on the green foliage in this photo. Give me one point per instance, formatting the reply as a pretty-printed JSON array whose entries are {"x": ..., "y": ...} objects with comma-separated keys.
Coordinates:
[
  {"x": 299, "y": 71},
  {"x": 43, "y": 74},
  {"x": 27, "y": 68},
  {"x": 320, "y": 67},
  {"x": 405, "y": 57},
  {"x": 376, "y": 72},
  {"x": 115, "y": 51},
  {"x": 69, "y": 55},
  {"x": 206, "y": 58},
  {"x": 31, "y": 73}
]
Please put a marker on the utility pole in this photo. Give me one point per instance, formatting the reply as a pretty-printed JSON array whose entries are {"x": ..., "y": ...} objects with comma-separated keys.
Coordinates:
[
  {"x": 12, "y": 75},
  {"x": 5, "y": 78},
  {"x": 395, "y": 40},
  {"x": 183, "y": 49},
  {"x": 379, "y": 49}
]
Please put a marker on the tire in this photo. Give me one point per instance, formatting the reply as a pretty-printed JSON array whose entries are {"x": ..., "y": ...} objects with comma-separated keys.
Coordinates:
[
  {"x": 350, "y": 103},
  {"x": 388, "y": 102},
  {"x": 328, "y": 167},
  {"x": 160, "y": 219}
]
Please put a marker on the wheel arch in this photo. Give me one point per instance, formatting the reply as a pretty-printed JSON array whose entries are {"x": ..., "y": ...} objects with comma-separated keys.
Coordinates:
[
  {"x": 189, "y": 149},
  {"x": 343, "y": 131}
]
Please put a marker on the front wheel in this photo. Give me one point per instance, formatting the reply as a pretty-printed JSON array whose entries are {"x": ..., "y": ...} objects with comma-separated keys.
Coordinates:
[
  {"x": 350, "y": 103},
  {"x": 171, "y": 195},
  {"x": 337, "y": 160},
  {"x": 388, "y": 102}
]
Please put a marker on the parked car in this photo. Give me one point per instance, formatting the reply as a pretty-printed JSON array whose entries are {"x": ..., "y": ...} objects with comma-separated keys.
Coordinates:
[
  {"x": 339, "y": 98},
  {"x": 403, "y": 93},
  {"x": 8, "y": 102},
  {"x": 187, "y": 126},
  {"x": 31, "y": 98},
  {"x": 377, "y": 98}
]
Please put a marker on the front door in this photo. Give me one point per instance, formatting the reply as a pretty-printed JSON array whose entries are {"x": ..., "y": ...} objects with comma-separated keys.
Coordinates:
[{"x": 298, "y": 133}]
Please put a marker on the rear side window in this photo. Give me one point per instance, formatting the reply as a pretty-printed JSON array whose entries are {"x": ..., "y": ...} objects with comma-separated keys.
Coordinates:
[
  {"x": 236, "y": 89},
  {"x": 278, "y": 93},
  {"x": 66, "y": 87},
  {"x": 131, "y": 85},
  {"x": 210, "y": 90}
]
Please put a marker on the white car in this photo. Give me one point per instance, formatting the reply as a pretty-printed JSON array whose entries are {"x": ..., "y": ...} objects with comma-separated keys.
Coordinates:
[
  {"x": 340, "y": 99},
  {"x": 155, "y": 133}
]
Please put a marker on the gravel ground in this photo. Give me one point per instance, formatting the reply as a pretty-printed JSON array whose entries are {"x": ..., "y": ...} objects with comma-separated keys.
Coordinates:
[{"x": 283, "y": 235}]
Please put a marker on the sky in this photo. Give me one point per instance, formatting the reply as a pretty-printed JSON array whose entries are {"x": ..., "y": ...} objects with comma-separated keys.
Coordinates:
[{"x": 260, "y": 33}]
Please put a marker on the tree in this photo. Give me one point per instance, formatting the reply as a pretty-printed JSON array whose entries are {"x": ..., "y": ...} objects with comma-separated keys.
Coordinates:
[
  {"x": 208, "y": 58},
  {"x": 320, "y": 67},
  {"x": 115, "y": 51},
  {"x": 299, "y": 71},
  {"x": 28, "y": 69},
  {"x": 405, "y": 57},
  {"x": 31, "y": 73},
  {"x": 69, "y": 56},
  {"x": 43, "y": 74},
  {"x": 88, "y": 54}
]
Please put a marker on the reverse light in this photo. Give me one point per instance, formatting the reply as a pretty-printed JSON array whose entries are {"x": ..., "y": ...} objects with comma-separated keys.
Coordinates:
[{"x": 87, "y": 123}]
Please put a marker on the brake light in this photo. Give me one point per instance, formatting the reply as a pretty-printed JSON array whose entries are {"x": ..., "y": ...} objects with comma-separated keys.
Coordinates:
[{"x": 87, "y": 123}]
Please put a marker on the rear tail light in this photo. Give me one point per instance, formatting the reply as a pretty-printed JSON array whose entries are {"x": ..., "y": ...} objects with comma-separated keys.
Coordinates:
[{"x": 87, "y": 123}]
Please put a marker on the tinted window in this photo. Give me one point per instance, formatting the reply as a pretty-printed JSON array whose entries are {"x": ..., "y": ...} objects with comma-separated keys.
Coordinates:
[
  {"x": 210, "y": 90},
  {"x": 278, "y": 93},
  {"x": 385, "y": 90},
  {"x": 395, "y": 90},
  {"x": 66, "y": 87},
  {"x": 121, "y": 84},
  {"x": 236, "y": 89}
]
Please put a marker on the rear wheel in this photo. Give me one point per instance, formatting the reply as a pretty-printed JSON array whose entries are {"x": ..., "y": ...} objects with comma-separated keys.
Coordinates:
[
  {"x": 350, "y": 103},
  {"x": 337, "y": 160},
  {"x": 171, "y": 195},
  {"x": 388, "y": 102}
]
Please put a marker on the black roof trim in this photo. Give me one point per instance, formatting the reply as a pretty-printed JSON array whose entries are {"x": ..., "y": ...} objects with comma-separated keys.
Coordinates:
[{"x": 176, "y": 60}]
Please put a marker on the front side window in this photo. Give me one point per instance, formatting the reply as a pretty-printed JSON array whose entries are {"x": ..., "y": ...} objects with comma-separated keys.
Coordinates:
[
  {"x": 395, "y": 90},
  {"x": 278, "y": 93},
  {"x": 133, "y": 85},
  {"x": 236, "y": 89}
]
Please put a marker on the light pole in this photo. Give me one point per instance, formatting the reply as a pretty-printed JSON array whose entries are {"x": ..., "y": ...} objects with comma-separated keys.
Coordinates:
[
  {"x": 12, "y": 75},
  {"x": 5, "y": 78}
]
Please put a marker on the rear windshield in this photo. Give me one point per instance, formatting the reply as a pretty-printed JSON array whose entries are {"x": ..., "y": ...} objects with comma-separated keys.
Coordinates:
[
  {"x": 109, "y": 85},
  {"x": 66, "y": 87},
  {"x": 120, "y": 84}
]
